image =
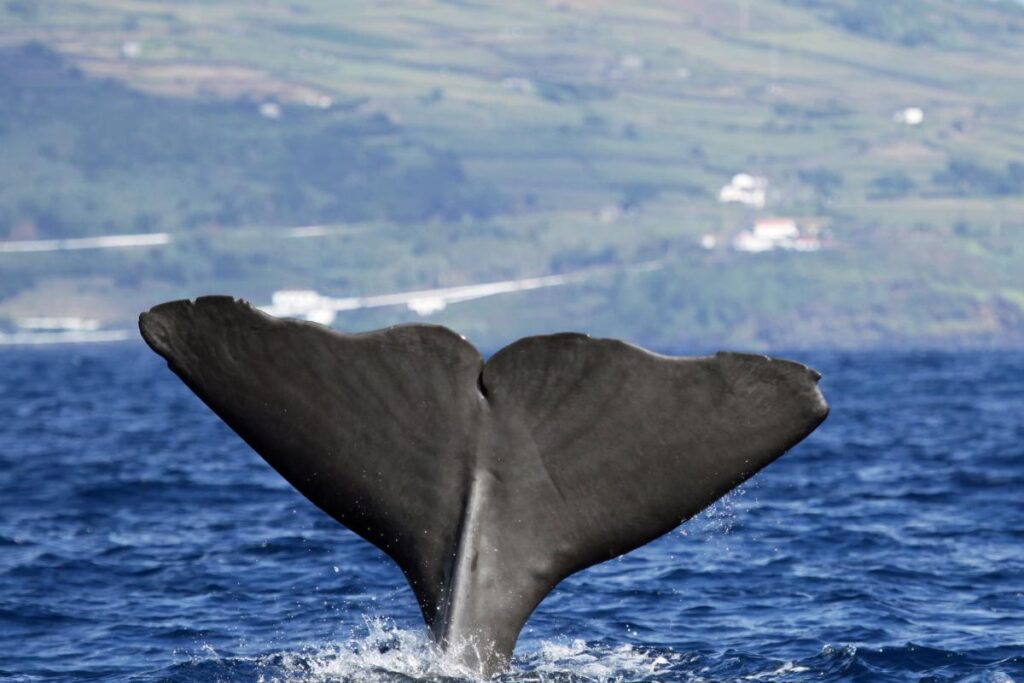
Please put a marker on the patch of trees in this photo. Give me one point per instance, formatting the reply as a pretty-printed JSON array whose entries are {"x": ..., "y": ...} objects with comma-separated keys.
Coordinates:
[
  {"x": 920, "y": 22},
  {"x": 823, "y": 180},
  {"x": 898, "y": 21},
  {"x": 891, "y": 185},
  {"x": 109, "y": 159},
  {"x": 558, "y": 91},
  {"x": 26, "y": 10},
  {"x": 828, "y": 109},
  {"x": 970, "y": 179},
  {"x": 583, "y": 257}
]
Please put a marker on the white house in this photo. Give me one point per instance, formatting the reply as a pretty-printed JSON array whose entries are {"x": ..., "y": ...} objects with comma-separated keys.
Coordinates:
[
  {"x": 912, "y": 116},
  {"x": 746, "y": 189},
  {"x": 776, "y": 229},
  {"x": 270, "y": 110},
  {"x": 749, "y": 242},
  {"x": 302, "y": 303},
  {"x": 774, "y": 233}
]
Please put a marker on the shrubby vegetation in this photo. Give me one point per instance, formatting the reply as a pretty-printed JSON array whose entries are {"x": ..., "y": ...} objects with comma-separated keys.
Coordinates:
[
  {"x": 917, "y": 22},
  {"x": 891, "y": 185},
  {"x": 22, "y": 9},
  {"x": 824, "y": 181},
  {"x": 118, "y": 160},
  {"x": 899, "y": 21},
  {"x": 971, "y": 179}
]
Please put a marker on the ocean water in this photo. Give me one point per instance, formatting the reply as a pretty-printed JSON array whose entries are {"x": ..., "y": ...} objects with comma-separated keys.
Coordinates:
[{"x": 141, "y": 540}]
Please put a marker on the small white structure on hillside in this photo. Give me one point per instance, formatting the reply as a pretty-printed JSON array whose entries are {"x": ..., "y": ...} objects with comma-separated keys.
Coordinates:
[
  {"x": 270, "y": 110},
  {"x": 912, "y": 116},
  {"x": 427, "y": 305},
  {"x": 131, "y": 49},
  {"x": 318, "y": 101},
  {"x": 302, "y": 303},
  {"x": 774, "y": 233},
  {"x": 609, "y": 213},
  {"x": 745, "y": 188},
  {"x": 776, "y": 229},
  {"x": 632, "y": 62}
]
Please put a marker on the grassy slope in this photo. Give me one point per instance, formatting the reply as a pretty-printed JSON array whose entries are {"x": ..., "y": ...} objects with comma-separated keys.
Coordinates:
[{"x": 609, "y": 102}]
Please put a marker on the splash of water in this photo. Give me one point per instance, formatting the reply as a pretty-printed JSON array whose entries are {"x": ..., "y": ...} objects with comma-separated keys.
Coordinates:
[
  {"x": 577, "y": 661},
  {"x": 383, "y": 653},
  {"x": 717, "y": 520}
]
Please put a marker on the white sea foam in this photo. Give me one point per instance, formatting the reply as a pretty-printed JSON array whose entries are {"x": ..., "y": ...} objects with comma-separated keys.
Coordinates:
[
  {"x": 786, "y": 668},
  {"x": 382, "y": 653},
  {"x": 577, "y": 661}
]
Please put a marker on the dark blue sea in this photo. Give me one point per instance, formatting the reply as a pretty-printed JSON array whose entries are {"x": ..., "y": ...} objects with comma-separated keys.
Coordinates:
[{"x": 141, "y": 540}]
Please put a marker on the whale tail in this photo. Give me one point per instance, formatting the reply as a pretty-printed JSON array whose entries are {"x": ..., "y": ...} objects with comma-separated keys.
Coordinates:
[{"x": 487, "y": 483}]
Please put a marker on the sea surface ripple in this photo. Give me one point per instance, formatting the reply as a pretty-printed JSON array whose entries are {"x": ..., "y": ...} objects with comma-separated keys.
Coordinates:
[{"x": 141, "y": 540}]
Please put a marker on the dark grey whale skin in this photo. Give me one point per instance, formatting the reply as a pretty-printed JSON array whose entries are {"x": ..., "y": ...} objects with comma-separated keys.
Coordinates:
[{"x": 488, "y": 483}]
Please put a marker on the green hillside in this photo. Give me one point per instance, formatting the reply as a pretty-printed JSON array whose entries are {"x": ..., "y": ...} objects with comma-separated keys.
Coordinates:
[{"x": 449, "y": 143}]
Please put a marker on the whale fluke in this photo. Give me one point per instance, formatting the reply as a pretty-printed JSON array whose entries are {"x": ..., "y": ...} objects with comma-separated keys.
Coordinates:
[{"x": 487, "y": 483}]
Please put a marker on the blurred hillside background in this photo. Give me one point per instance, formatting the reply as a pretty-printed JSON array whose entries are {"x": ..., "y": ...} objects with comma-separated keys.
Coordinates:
[{"x": 687, "y": 175}]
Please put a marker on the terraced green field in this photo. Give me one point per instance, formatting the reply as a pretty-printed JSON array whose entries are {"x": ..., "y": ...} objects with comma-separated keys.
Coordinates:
[{"x": 463, "y": 142}]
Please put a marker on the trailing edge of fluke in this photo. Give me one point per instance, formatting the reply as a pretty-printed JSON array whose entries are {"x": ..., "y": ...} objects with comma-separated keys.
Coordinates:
[{"x": 487, "y": 482}]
